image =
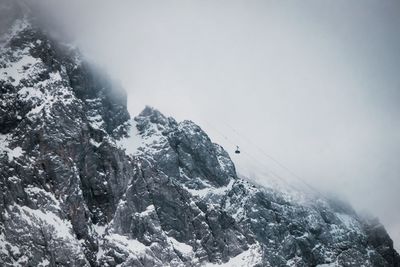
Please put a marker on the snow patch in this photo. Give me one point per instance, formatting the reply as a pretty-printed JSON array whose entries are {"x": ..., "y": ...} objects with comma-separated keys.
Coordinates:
[
  {"x": 100, "y": 230},
  {"x": 123, "y": 242},
  {"x": 24, "y": 68},
  {"x": 12, "y": 153},
  {"x": 148, "y": 143},
  {"x": 96, "y": 121},
  {"x": 211, "y": 190},
  {"x": 44, "y": 263},
  {"x": 150, "y": 209},
  {"x": 29, "y": 93},
  {"x": 248, "y": 258},
  {"x": 349, "y": 222},
  {"x": 36, "y": 191},
  {"x": 94, "y": 143},
  {"x": 183, "y": 248},
  {"x": 14, "y": 179},
  {"x": 62, "y": 229},
  {"x": 15, "y": 153}
]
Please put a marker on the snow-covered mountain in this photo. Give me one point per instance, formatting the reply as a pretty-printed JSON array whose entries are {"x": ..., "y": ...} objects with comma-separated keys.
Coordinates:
[{"x": 84, "y": 185}]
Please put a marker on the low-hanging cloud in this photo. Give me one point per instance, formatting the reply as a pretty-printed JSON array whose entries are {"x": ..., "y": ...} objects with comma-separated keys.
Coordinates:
[{"x": 313, "y": 84}]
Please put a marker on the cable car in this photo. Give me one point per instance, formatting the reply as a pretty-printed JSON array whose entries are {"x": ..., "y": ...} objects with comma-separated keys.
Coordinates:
[{"x": 237, "y": 151}]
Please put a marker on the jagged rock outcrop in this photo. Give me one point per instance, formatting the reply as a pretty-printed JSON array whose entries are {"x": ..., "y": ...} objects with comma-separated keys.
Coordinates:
[{"x": 84, "y": 185}]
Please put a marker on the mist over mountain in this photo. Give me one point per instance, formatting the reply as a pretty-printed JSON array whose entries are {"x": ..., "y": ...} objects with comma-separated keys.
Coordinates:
[
  {"x": 314, "y": 85},
  {"x": 85, "y": 184}
]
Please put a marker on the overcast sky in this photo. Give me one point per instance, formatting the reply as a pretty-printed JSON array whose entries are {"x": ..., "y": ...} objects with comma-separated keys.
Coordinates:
[{"x": 314, "y": 84}]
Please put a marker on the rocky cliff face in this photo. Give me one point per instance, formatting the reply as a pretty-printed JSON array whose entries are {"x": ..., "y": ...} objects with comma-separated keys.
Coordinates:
[{"x": 84, "y": 185}]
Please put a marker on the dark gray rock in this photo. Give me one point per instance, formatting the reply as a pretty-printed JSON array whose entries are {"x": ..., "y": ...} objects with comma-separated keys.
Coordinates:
[{"x": 75, "y": 193}]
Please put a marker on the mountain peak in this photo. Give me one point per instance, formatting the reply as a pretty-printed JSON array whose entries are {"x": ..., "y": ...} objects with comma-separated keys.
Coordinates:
[{"x": 153, "y": 115}]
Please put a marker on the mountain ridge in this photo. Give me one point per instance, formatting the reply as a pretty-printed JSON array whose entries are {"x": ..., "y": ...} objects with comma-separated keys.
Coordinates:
[{"x": 84, "y": 185}]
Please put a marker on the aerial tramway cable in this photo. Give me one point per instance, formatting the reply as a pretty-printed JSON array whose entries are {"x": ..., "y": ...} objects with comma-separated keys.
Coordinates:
[
  {"x": 266, "y": 155},
  {"x": 272, "y": 158}
]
